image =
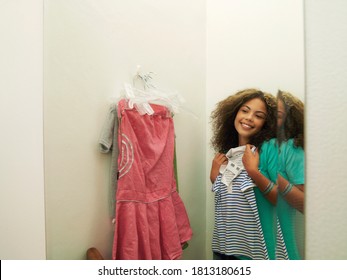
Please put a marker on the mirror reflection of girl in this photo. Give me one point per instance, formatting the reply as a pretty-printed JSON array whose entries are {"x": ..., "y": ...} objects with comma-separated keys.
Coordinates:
[
  {"x": 282, "y": 161},
  {"x": 248, "y": 117},
  {"x": 291, "y": 141},
  {"x": 291, "y": 178}
]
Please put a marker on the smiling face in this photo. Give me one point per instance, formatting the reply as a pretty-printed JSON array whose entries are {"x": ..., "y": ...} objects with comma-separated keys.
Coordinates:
[{"x": 250, "y": 119}]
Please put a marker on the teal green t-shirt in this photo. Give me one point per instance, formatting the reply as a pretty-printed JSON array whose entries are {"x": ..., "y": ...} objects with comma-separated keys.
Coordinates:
[
  {"x": 268, "y": 158},
  {"x": 288, "y": 161}
]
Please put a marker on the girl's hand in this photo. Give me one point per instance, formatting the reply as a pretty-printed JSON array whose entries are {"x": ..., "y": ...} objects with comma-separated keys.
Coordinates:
[
  {"x": 250, "y": 159},
  {"x": 218, "y": 160}
]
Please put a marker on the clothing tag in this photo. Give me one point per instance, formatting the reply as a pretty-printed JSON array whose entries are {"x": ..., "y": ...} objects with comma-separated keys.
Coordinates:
[{"x": 233, "y": 168}]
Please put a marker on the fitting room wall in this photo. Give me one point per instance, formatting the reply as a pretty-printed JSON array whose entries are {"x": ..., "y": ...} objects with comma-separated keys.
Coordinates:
[
  {"x": 21, "y": 107},
  {"x": 22, "y": 213},
  {"x": 326, "y": 82},
  {"x": 91, "y": 49}
]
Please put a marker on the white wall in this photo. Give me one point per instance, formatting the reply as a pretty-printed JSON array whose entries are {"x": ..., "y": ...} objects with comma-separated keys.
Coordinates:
[
  {"x": 326, "y": 82},
  {"x": 22, "y": 224},
  {"x": 251, "y": 43},
  {"x": 91, "y": 49}
]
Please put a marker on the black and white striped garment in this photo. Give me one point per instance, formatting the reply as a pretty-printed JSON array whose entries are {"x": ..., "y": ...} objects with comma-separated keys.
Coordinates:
[
  {"x": 281, "y": 250},
  {"x": 237, "y": 229}
]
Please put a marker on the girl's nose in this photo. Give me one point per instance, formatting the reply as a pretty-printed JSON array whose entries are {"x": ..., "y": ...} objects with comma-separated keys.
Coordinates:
[{"x": 249, "y": 116}]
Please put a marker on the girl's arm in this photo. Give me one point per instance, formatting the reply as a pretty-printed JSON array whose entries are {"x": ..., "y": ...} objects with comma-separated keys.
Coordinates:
[
  {"x": 293, "y": 194},
  {"x": 217, "y": 161},
  {"x": 251, "y": 162}
]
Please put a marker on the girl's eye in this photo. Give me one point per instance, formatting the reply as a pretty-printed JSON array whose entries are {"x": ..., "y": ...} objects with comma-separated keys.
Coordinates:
[{"x": 260, "y": 117}]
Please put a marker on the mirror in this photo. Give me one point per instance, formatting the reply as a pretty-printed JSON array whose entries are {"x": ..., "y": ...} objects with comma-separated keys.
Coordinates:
[
  {"x": 202, "y": 49},
  {"x": 291, "y": 172}
]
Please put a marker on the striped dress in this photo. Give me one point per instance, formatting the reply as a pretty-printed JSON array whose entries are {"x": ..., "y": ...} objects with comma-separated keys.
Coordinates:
[{"x": 237, "y": 229}]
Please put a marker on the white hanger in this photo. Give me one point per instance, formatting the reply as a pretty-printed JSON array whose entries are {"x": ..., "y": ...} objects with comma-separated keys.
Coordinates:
[{"x": 141, "y": 98}]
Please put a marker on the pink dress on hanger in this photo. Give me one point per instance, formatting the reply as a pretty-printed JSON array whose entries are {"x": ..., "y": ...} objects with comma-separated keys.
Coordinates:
[{"x": 151, "y": 219}]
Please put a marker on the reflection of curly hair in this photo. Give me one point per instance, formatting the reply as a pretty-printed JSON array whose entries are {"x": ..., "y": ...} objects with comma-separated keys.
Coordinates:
[
  {"x": 293, "y": 125},
  {"x": 225, "y": 135}
]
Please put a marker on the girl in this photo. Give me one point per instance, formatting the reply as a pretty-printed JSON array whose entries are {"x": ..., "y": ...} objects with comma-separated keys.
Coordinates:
[
  {"x": 248, "y": 117},
  {"x": 282, "y": 161}
]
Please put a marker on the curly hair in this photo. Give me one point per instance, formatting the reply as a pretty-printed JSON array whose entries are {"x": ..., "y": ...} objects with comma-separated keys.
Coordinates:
[
  {"x": 222, "y": 119},
  {"x": 293, "y": 125}
]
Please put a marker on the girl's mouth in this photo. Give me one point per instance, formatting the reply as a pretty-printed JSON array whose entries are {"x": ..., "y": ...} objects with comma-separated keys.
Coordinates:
[{"x": 246, "y": 126}]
